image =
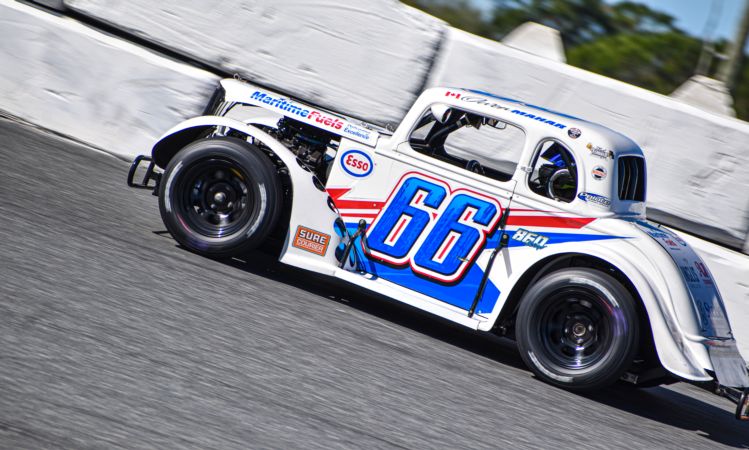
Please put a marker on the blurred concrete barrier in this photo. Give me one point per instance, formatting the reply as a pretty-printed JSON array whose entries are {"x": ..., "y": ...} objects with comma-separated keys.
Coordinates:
[
  {"x": 96, "y": 88},
  {"x": 698, "y": 162},
  {"x": 367, "y": 58},
  {"x": 707, "y": 94}
]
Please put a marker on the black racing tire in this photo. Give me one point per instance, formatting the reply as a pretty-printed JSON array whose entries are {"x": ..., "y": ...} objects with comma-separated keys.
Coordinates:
[
  {"x": 220, "y": 197},
  {"x": 578, "y": 329}
]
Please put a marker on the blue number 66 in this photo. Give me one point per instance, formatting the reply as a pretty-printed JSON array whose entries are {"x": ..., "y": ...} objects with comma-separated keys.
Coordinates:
[{"x": 437, "y": 238}]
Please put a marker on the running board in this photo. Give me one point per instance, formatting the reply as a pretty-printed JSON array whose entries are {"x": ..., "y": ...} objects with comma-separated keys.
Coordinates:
[{"x": 409, "y": 297}]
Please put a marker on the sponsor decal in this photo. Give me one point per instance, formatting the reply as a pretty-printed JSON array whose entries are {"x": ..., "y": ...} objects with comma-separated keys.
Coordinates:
[
  {"x": 311, "y": 241},
  {"x": 280, "y": 103},
  {"x": 670, "y": 242},
  {"x": 690, "y": 274},
  {"x": 355, "y": 131},
  {"x": 595, "y": 199},
  {"x": 574, "y": 133},
  {"x": 599, "y": 173},
  {"x": 484, "y": 102},
  {"x": 311, "y": 115},
  {"x": 665, "y": 237},
  {"x": 322, "y": 119},
  {"x": 539, "y": 118},
  {"x": 537, "y": 241},
  {"x": 357, "y": 163},
  {"x": 696, "y": 277},
  {"x": 704, "y": 274},
  {"x": 600, "y": 151}
]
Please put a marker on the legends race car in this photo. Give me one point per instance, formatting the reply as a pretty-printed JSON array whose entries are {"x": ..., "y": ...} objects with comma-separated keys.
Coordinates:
[{"x": 495, "y": 214}]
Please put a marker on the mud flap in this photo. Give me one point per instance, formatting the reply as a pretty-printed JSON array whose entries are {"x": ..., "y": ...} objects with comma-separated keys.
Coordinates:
[{"x": 730, "y": 367}]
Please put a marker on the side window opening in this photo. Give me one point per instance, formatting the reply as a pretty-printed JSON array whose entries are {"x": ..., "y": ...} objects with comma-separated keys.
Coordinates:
[
  {"x": 473, "y": 142},
  {"x": 554, "y": 172}
]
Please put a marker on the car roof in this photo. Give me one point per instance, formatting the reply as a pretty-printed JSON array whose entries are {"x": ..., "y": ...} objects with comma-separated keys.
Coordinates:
[
  {"x": 521, "y": 103},
  {"x": 540, "y": 118}
]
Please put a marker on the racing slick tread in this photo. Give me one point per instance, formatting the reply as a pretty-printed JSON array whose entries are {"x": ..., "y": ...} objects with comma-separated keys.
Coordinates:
[
  {"x": 536, "y": 342},
  {"x": 264, "y": 196}
]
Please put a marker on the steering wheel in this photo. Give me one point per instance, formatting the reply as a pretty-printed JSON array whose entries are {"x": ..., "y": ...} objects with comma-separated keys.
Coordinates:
[
  {"x": 553, "y": 178},
  {"x": 475, "y": 167}
]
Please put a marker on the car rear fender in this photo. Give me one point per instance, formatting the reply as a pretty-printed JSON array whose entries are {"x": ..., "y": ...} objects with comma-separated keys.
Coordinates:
[
  {"x": 657, "y": 282},
  {"x": 676, "y": 354}
]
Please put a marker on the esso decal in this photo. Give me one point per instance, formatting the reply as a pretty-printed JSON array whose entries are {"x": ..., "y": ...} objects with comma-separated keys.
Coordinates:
[{"x": 357, "y": 163}]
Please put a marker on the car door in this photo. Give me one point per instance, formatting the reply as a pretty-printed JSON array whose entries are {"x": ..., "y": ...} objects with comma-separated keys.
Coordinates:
[{"x": 435, "y": 217}]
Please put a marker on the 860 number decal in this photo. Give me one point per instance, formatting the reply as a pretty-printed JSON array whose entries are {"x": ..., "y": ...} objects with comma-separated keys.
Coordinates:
[{"x": 437, "y": 231}]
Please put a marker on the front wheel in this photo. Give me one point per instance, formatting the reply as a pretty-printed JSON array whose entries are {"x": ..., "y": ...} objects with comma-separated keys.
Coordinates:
[
  {"x": 220, "y": 197},
  {"x": 578, "y": 329}
]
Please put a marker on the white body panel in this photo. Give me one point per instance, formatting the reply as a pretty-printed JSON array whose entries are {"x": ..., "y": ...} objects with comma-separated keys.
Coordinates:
[{"x": 372, "y": 171}]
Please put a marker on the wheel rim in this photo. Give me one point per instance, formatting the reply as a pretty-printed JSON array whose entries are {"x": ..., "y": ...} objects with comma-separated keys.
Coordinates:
[
  {"x": 214, "y": 198},
  {"x": 575, "y": 328}
]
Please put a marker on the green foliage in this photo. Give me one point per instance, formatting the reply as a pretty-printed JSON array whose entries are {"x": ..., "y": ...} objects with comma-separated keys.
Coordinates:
[
  {"x": 627, "y": 40},
  {"x": 580, "y": 21},
  {"x": 460, "y": 14},
  {"x": 656, "y": 61},
  {"x": 741, "y": 94}
]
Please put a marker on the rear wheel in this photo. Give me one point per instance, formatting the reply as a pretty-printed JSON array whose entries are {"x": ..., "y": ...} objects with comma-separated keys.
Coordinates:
[
  {"x": 578, "y": 329},
  {"x": 220, "y": 197}
]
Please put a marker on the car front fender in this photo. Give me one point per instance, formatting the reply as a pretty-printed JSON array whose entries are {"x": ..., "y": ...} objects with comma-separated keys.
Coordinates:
[
  {"x": 310, "y": 202},
  {"x": 192, "y": 129}
]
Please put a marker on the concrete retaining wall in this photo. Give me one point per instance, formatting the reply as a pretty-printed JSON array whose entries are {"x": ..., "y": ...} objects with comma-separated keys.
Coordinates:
[
  {"x": 367, "y": 58},
  {"x": 79, "y": 82}
]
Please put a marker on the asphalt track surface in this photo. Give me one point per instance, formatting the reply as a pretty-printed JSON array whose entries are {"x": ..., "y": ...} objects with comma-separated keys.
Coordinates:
[{"x": 113, "y": 336}]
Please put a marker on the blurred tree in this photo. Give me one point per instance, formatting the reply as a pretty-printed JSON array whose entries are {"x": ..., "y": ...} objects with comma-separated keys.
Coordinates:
[
  {"x": 580, "y": 21},
  {"x": 627, "y": 41},
  {"x": 458, "y": 13},
  {"x": 660, "y": 62},
  {"x": 741, "y": 93}
]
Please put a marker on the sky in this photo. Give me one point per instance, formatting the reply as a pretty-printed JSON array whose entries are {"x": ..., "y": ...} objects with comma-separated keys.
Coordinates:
[{"x": 691, "y": 15}]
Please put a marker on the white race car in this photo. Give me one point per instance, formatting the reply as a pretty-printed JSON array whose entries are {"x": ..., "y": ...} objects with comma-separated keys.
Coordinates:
[{"x": 495, "y": 214}]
